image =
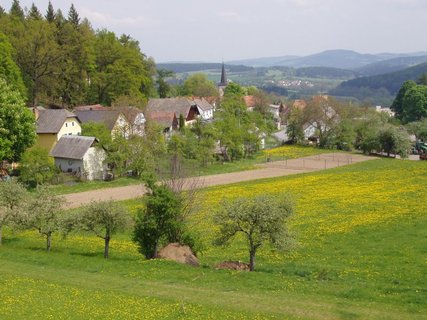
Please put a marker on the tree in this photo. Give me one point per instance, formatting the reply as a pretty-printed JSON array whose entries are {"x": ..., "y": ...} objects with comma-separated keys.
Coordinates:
[
  {"x": 234, "y": 89},
  {"x": 104, "y": 219},
  {"x": 44, "y": 214},
  {"x": 163, "y": 87},
  {"x": 414, "y": 104},
  {"x": 198, "y": 85},
  {"x": 16, "y": 10},
  {"x": 294, "y": 127},
  {"x": 162, "y": 221},
  {"x": 260, "y": 219},
  {"x": 397, "y": 105},
  {"x": 37, "y": 168},
  {"x": 13, "y": 196},
  {"x": 17, "y": 124},
  {"x": 50, "y": 13},
  {"x": 394, "y": 140},
  {"x": 9, "y": 70},
  {"x": 73, "y": 16},
  {"x": 34, "y": 13},
  {"x": 419, "y": 129}
]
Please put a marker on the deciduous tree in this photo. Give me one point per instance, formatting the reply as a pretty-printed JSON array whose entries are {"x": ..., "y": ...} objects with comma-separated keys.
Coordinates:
[{"x": 260, "y": 219}]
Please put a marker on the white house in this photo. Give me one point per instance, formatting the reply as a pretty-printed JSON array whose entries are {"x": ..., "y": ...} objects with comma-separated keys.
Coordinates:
[
  {"x": 206, "y": 110},
  {"x": 80, "y": 156}
]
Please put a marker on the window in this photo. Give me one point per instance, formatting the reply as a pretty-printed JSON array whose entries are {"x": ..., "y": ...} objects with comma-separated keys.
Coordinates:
[
  {"x": 66, "y": 125},
  {"x": 72, "y": 123}
]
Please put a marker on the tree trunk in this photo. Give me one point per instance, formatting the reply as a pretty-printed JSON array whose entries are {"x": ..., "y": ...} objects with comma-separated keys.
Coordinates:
[
  {"x": 252, "y": 259},
  {"x": 1, "y": 233},
  {"x": 107, "y": 246},
  {"x": 48, "y": 241},
  {"x": 155, "y": 253}
]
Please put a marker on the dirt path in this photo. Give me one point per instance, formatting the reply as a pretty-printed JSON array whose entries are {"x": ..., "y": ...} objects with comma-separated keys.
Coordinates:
[{"x": 267, "y": 170}]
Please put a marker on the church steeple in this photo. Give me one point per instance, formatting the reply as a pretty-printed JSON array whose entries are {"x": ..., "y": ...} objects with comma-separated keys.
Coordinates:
[{"x": 223, "y": 82}]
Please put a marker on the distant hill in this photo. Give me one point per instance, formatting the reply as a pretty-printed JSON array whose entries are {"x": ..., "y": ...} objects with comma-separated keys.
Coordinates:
[
  {"x": 263, "y": 62},
  {"x": 196, "y": 67},
  {"x": 391, "y": 65},
  {"x": 379, "y": 86},
  {"x": 325, "y": 73}
]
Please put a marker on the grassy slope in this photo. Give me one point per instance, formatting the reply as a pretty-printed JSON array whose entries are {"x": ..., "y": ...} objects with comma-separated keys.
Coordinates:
[{"x": 362, "y": 253}]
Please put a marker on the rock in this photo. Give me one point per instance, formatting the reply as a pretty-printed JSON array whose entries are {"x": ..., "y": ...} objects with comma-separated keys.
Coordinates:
[
  {"x": 179, "y": 253},
  {"x": 233, "y": 265}
]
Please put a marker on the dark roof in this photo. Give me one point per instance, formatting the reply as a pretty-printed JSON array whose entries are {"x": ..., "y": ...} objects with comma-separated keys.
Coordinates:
[
  {"x": 176, "y": 105},
  {"x": 52, "y": 120},
  {"x": 107, "y": 117},
  {"x": 72, "y": 147},
  {"x": 91, "y": 107}
]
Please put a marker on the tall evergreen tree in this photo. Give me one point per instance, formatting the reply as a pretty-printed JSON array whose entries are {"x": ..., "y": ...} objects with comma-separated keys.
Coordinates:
[
  {"x": 59, "y": 19},
  {"x": 16, "y": 10},
  {"x": 50, "y": 13},
  {"x": 73, "y": 16},
  {"x": 34, "y": 13}
]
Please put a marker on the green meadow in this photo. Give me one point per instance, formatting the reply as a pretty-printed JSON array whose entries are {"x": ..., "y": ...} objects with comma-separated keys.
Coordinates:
[{"x": 361, "y": 254}]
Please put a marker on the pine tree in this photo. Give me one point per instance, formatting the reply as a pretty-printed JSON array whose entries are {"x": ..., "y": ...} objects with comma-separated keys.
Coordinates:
[
  {"x": 73, "y": 16},
  {"x": 50, "y": 13},
  {"x": 59, "y": 19},
  {"x": 16, "y": 10},
  {"x": 34, "y": 13}
]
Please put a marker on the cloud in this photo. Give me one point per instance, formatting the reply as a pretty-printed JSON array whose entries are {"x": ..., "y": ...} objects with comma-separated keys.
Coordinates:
[{"x": 105, "y": 19}]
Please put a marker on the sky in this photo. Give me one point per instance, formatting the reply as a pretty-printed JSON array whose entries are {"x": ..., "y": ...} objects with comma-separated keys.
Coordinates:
[{"x": 223, "y": 30}]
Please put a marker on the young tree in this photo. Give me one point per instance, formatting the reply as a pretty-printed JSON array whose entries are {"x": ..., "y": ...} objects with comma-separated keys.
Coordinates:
[
  {"x": 50, "y": 13},
  {"x": 415, "y": 104},
  {"x": 104, "y": 219},
  {"x": 13, "y": 197},
  {"x": 158, "y": 223},
  {"x": 163, "y": 87},
  {"x": 294, "y": 128},
  {"x": 260, "y": 219},
  {"x": 73, "y": 16},
  {"x": 37, "y": 167},
  {"x": 17, "y": 124},
  {"x": 394, "y": 140},
  {"x": 34, "y": 13},
  {"x": 200, "y": 86},
  {"x": 16, "y": 10},
  {"x": 44, "y": 214}
]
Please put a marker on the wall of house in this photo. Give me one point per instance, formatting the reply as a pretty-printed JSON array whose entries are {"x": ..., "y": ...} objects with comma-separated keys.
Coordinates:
[
  {"x": 93, "y": 163},
  {"x": 122, "y": 127},
  {"x": 46, "y": 140},
  {"x": 70, "y": 127},
  {"x": 69, "y": 165}
]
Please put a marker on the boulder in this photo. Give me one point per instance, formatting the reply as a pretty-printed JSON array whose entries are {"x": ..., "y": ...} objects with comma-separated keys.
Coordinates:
[
  {"x": 179, "y": 253},
  {"x": 233, "y": 265}
]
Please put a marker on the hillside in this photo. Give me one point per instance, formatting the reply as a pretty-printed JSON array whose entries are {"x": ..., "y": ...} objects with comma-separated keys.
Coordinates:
[
  {"x": 197, "y": 67},
  {"x": 325, "y": 72},
  {"x": 390, "y": 65},
  {"x": 379, "y": 86},
  {"x": 360, "y": 255}
]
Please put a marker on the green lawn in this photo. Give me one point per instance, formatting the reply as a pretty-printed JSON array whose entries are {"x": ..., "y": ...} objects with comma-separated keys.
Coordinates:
[{"x": 362, "y": 255}]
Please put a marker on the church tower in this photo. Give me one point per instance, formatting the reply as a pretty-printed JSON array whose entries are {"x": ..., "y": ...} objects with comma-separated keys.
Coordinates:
[{"x": 223, "y": 83}]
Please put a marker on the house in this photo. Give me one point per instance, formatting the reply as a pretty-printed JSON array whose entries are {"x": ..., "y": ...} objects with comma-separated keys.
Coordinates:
[
  {"x": 80, "y": 156},
  {"x": 134, "y": 116},
  {"x": 386, "y": 110},
  {"x": 250, "y": 102},
  {"x": 179, "y": 106},
  {"x": 166, "y": 120},
  {"x": 206, "y": 109},
  {"x": 52, "y": 124},
  {"x": 114, "y": 120}
]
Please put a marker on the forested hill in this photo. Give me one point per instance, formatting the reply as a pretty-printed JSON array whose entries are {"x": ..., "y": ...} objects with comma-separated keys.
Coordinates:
[
  {"x": 325, "y": 72},
  {"x": 379, "y": 85},
  {"x": 390, "y": 65},
  {"x": 196, "y": 67}
]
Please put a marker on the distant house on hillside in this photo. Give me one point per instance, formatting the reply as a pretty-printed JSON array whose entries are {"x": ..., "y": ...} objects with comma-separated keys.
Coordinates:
[
  {"x": 114, "y": 120},
  {"x": 179, "y": 106},
  {"x": 80, "y": 156},
  {"x": 52, "y": 124},
  {"x": 206, "y": 109}
]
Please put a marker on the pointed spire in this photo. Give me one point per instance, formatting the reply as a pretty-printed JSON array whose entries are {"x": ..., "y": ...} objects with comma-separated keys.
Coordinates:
[{"x": 223, "y": 76}]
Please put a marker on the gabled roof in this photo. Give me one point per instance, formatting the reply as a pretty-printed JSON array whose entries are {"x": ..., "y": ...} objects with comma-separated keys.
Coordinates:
[
  {"x": 130, "y": 113},
  {"x": 72, "y": 147},
  {"x": 52, "y": 120},
  {"x": 165, "y": 119},
  {"x": 250, "y": 101},
  {"x": 203, "y": 104},
  {"x": 107, "y": 117},
  {"x": 176, "y": 105}
]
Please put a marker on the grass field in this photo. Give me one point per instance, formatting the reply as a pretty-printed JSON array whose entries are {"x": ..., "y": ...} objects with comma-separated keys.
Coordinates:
[{"x": 362, "y": 255}]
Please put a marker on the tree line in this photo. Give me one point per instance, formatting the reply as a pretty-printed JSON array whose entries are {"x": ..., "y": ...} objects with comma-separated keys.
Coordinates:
[{"x": 63, "y": 61}]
